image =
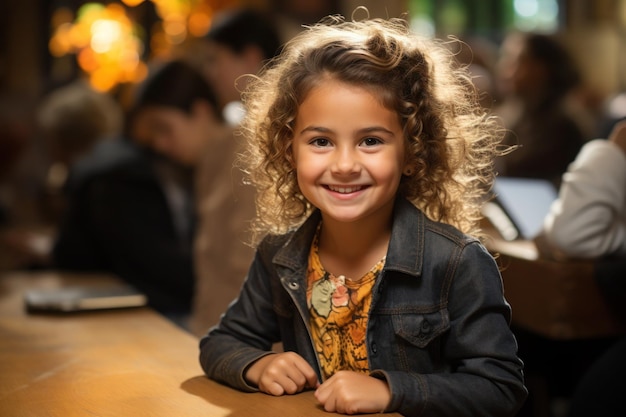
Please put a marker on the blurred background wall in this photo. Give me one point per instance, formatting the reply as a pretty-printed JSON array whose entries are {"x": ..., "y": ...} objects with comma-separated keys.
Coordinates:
[{"x": 30, "y": 64}]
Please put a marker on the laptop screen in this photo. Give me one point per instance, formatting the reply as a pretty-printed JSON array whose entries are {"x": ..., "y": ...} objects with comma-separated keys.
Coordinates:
[{"x": 526, "y": 201}]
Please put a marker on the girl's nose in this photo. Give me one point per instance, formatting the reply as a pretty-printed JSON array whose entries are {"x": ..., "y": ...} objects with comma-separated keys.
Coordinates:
[{"x": 346, "y": 161}]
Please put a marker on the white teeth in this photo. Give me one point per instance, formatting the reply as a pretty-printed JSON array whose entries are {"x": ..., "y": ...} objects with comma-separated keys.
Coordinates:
[{"x": 345, "y": 190}]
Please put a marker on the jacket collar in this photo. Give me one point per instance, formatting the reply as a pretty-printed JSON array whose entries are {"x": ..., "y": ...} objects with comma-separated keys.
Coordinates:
[
  {"x": 295, "y": 252},
  {"x": 406, "y": 247}
]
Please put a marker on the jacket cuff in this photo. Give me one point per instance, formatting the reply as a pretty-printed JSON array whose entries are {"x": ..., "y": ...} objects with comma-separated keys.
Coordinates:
[
  {"x": 398, "y": 391},
  {"x": 243, "y": 384}
]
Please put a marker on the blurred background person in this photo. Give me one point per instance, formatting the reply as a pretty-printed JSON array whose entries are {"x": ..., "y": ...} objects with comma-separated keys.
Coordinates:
[
  {"x": 69, "y": 122},
  {"x": 177, "y": 116},
  {"x": 588, "y": 219},
  {"x": 130, "y": 213},
  {"x": 544, "y": 109},
  {"x": 239, "y": 43},
  {"x": 537, "y": 80},
  {"x": 72, "y": 119}
]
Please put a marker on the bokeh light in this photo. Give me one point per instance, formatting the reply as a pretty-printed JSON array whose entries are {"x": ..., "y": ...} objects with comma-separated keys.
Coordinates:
[
  {"x": 536, "y": 15},
  {"x": 108, "y": 44},
  {"x": 105, "y": 42}
]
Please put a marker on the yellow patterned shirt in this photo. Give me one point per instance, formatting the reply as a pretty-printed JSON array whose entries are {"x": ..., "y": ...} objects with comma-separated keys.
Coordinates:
[{"x": 338, "y": 315}]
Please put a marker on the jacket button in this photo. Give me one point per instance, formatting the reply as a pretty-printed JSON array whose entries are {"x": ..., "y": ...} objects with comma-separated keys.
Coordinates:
[
  {"x": 374, "y": 347},
  {"x": 293, "y": 285},
  {"x": 426, "y": 327}
]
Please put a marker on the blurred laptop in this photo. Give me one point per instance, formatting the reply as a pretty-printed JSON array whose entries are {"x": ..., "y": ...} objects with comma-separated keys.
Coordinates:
[
  {"x": 520, "y": 206},
  {"x": 83, "y": 298}
]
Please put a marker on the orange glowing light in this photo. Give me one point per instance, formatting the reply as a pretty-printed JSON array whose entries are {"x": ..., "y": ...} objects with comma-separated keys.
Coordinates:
[
  {"x": 60, "y": 43},
  {"x": 87, "y": 60},
  {"x": 107, "y": 43},
  {"x": 103, "y": 38},
  {"x": 200, "y": 22},
  {"x": 104, "y": 78}
]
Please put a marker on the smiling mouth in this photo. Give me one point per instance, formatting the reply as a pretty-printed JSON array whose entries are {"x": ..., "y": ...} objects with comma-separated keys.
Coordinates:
[{"x": 345, "y": 190}]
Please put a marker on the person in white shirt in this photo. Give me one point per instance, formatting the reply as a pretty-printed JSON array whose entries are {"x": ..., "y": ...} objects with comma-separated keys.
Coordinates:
[{"x": 588, "y": 219}]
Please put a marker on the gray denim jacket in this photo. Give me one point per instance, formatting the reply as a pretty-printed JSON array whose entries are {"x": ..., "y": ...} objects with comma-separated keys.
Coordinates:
[{"x": 438, "y": 329}]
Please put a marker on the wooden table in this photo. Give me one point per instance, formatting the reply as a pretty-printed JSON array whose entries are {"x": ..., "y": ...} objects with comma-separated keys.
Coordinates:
[{"x": 119, "y": 363}]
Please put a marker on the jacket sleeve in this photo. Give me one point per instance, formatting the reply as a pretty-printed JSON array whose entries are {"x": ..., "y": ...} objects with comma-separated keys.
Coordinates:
[
  {"x": 483, "y": 375},
  {"x": 588, "y": 220},
  {"x": 245, "y": 332}
]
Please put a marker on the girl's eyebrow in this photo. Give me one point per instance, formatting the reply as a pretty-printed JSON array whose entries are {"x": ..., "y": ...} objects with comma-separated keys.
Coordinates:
[
  {"x": 370, "y": 129},
  {"x": 315, "y": 129},
  {"x": 375, "y": 129}
]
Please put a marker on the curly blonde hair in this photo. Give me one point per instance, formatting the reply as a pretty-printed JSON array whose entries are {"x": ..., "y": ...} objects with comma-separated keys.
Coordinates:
[{"x": 451, "y": 141}]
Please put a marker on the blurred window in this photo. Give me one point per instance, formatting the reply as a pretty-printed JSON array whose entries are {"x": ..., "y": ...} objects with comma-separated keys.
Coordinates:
[{"x": 483, "y": 17}]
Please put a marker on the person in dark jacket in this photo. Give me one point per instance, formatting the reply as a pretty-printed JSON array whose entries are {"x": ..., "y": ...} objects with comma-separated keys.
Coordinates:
[{"x": 119, "y": 220}]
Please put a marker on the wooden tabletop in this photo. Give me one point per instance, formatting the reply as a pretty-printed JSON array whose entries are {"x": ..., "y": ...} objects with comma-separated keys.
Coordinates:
[{"x": 127, "y": 362}]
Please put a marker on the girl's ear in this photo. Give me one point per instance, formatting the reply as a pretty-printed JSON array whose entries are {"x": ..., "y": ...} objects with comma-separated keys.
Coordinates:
[{"x": 408, "y": 170}]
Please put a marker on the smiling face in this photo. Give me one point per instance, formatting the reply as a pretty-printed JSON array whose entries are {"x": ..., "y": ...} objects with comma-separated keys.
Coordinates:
[{"x": 349, "y": 153}]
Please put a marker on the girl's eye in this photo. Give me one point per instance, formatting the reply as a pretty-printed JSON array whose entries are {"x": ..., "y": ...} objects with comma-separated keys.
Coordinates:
[
  {"x": 371, "y": 141},
  {"x": 320, "y": 142}
]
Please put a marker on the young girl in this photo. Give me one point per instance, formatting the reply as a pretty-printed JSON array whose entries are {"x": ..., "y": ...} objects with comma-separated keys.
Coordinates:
[{"x": 370, "y": 155}]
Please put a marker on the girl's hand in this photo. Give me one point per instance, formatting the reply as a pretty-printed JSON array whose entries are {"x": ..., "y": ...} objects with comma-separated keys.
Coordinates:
[
  {"x": 282, "y": 373},
  {"x": 349, "y": 392}
]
